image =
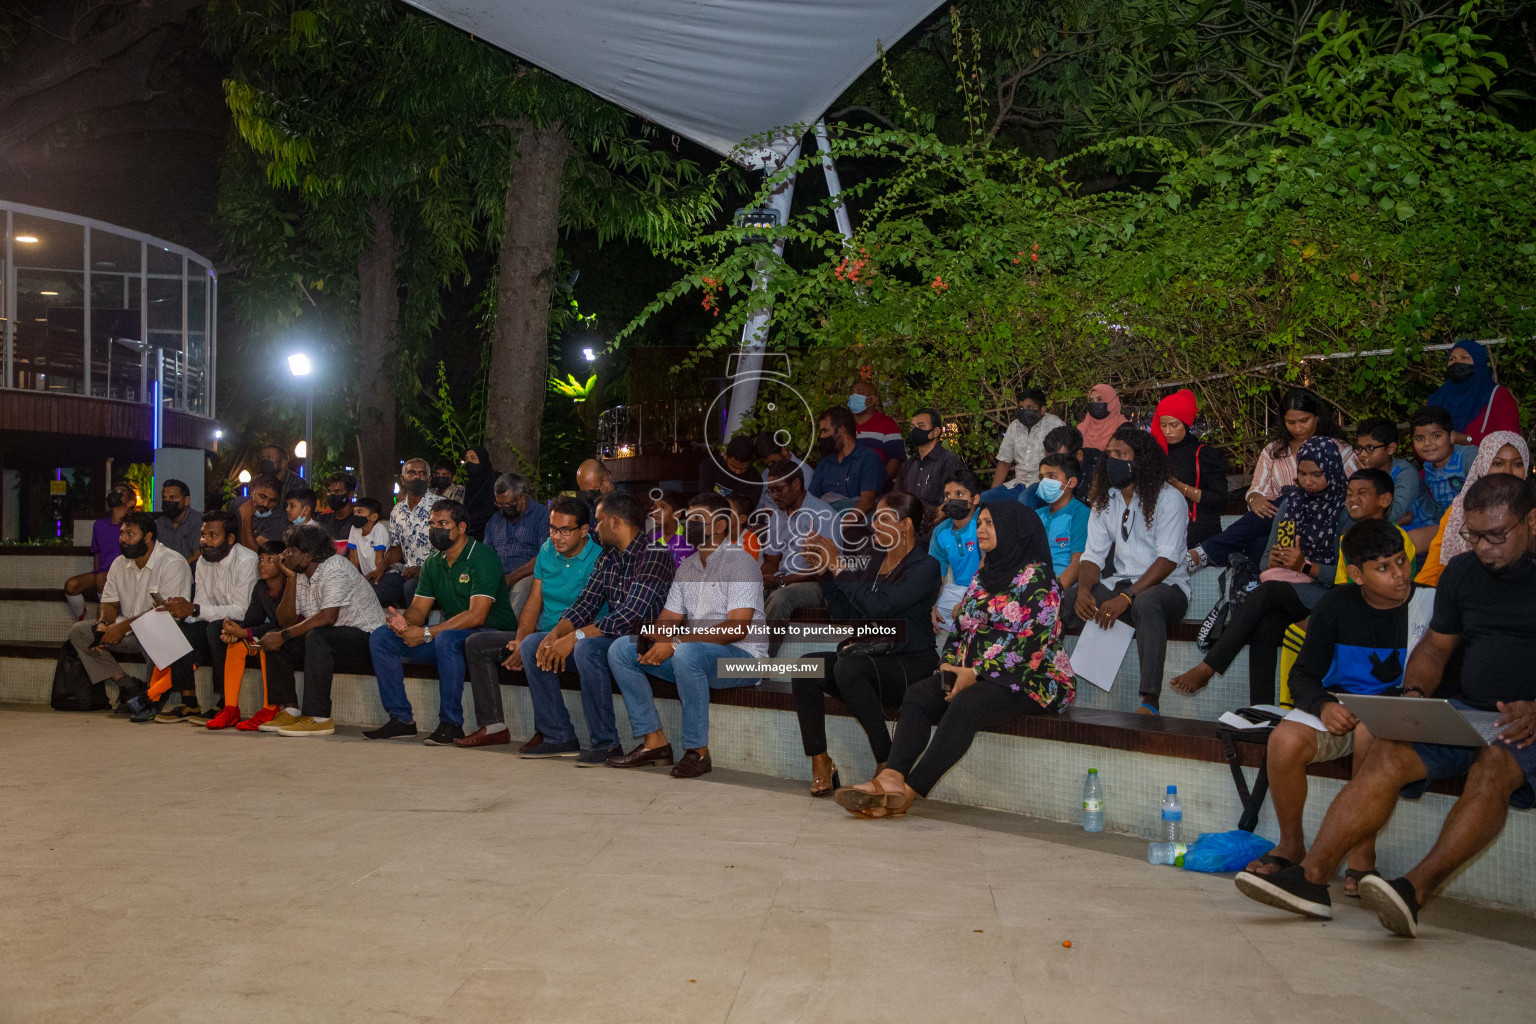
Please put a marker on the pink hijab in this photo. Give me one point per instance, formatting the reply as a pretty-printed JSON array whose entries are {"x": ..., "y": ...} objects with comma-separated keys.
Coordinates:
[
  {"x": 1451, "y": 543},
  {"x": 1096, "y": 433}
]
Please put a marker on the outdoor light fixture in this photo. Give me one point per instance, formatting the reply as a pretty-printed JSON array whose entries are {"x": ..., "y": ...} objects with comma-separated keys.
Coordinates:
[
  {"x": 591, "y": 356},
  {"x": 27, "y": 239},
  {"x": 218, "y": 435},
  {"x": 47, "y": 293},
  {"x": 245, "y": 476},
  {"x": 301, "y": 450},
  {"x": 298, "y": 364}
]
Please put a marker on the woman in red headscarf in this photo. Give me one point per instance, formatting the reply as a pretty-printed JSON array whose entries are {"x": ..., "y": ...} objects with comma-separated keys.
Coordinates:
[{"x": 1196, "y": 470}]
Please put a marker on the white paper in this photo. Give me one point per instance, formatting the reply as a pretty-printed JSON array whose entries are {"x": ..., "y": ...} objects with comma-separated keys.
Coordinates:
[
  {"x": 1311, "y": 721},
  {"x": 161, "y": 638},
  {"x": 1237, "y": 721},
  {"x": 1099, "y": 652}
]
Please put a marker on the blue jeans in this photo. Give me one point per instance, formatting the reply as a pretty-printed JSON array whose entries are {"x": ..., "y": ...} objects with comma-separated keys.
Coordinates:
[
  {"x": 1248, "y": 535},
  {"x": 691, "y": 667},
  {"x": 549, "y": 714},
  {"x": 446, "y": 651}
]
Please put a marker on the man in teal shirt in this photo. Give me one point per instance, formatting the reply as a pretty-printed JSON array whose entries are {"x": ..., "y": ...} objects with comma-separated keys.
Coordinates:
[
  {"x": 464, "y": 578},
  {"x": 560, "y": 572}
]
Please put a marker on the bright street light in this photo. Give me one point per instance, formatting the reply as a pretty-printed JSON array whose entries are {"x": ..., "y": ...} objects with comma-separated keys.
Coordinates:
[
  {"x": 301, "y": 449},
  {"x": 218, "y": 435},
  {"x": 245, "y": 476},
  {"x": 27, "y": 239},
  {"x": 591, "y": 356},
  {"x": 298, "y": 363}
]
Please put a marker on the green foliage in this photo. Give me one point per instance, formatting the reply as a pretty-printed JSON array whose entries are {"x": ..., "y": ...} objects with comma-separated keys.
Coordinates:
[
  {"x": 452, "y": 432},
  {"x": 142, "y": 476},
  {"x": 1385, "y": 209}
]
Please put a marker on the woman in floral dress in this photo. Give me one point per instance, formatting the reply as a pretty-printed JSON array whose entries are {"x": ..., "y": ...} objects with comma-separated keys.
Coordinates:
[{"x": 1003, "y": 660}]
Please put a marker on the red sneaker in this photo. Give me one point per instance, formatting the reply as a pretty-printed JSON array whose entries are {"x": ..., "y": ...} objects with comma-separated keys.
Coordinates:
[
  {"x": 227, "y": 717},
  {"x": 257, "y": 720}
]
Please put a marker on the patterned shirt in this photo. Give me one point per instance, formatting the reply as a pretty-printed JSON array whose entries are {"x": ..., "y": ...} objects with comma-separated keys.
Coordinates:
[
  {"x": 337, "y": 584},
  {"x": 1273, "y": 474},
  {"x": 518, "y": 540},
  {"x": 409, "y": 529},
  {"x": 633, "y": 583},
  {"x": 1013, "y": 639}
]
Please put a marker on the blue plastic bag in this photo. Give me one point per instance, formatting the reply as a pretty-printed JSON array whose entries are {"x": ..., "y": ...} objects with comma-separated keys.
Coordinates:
[{"x": 1225, "y": 851}]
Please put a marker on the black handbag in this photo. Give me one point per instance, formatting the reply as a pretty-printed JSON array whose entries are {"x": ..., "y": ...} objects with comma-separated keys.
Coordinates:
[{"x": 72, "y": 688}]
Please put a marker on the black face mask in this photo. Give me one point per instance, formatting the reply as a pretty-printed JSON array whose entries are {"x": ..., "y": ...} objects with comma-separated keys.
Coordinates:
[
  {"x": 1098, "y": 410},
  {"x": 135, "y": 551},
  {"x": 115, "y": 500},
  {"x": 215, "y": 554},
  {"x": 1120, "y": 472},
  {"x": 509, "y": 512},
  {"x": 919, "y": 436},
  {"x": 693, "y": 532},
  {"x": 268, "y": 466},
  {"x": 171, "y": 508},
  {"x": 591, "y": 494},
  {"x": 442, "y": 539},
  {"x": 827, "y": 445},
  {"x": 1459, "y": 372},
  {"x": 337, "y": 502},
  {"x": 416, "y": 487},
  {"x": 442, "y": 483},
  {"x": 956, "y": 509},
  {"x": 1028, "y": 417}
]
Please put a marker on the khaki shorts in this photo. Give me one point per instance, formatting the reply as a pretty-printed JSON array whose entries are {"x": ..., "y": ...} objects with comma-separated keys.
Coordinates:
[{"x": 1331, "y": 747}]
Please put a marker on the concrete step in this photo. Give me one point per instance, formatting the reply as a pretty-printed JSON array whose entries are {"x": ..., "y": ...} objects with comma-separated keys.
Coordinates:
[
  {"x": 32, "y": 567},
  {"x": 37, "y": 616}
]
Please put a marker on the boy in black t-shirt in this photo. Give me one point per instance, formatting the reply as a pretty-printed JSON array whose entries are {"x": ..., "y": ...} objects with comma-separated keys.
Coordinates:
[
  {"x": 1357, "y": 644},
  {"x": 1486, "y": 602}
]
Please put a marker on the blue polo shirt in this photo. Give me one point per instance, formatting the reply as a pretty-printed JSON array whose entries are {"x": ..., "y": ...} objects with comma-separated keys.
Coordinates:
[
  {"x": 1066, "y": 532},
  {"x": 518, "y": 540},
  {"x": 957, "y": 550},
  {"x": 561, "y": 579},
  {"x": 862, "y": 470}
]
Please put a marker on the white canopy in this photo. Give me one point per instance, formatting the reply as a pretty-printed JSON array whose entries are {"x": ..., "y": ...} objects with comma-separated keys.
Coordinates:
[{"x": 715, "y": 71}]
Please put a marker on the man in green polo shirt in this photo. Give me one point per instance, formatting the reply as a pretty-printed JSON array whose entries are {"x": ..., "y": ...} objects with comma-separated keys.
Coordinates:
[{"x": 465, "y": 579}]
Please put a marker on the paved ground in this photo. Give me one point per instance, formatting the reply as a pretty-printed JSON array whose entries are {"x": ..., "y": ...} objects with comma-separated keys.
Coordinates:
[{"x": 161, "y": 873}]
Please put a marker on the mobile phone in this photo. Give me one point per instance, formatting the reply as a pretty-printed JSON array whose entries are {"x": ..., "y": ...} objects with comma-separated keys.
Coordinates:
[{"x": 154, "y": 595}]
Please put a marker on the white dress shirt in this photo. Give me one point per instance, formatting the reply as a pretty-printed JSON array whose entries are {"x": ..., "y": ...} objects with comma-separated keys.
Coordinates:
[
  {"x": 704, "y": 593},
  {"x": 223, "y": 588},
  {"x": 1134, "y": 554},
  {"x": 128, "y": 586}
]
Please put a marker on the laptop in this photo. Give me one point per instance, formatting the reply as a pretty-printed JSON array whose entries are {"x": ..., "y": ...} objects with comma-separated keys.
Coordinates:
[{"x": 1423, "y": 720}]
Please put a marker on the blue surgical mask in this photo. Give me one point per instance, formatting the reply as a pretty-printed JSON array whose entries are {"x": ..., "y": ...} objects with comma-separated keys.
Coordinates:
[
  {"x": 1049, "y": 490},
  {"x": 301, "y": 521},
  {"x": 259, "y": 514},
  {"x": 856, "y": 403}
]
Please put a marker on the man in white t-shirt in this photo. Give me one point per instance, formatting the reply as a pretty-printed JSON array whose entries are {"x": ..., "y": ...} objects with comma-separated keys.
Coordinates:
[
  {"x": 1023, "y": 444},
  {"x": 715, "y": 605},
  {"x": 789, "y": 567},
  {"x": 1150, "y": 585}
]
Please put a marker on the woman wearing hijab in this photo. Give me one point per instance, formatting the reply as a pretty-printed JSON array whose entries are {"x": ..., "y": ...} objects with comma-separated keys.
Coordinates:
[
  {"x": 1103, "y": 418},
  {"x": 480, "y": 491},
  {"x": 1004, "y": 659},
  {"x": 1499, "y": 452},
  {"x": 1302, "y": 544},
  {"x": 1477, "y": 404},
  {"x": 1197, "y": 471}
]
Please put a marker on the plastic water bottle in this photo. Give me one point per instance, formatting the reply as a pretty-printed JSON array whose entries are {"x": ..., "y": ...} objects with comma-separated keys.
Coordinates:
[
  {"x": 1093, "y": 803},
  {"x": 1173, "y": 817},
  {"x": 1166, "y": 853}
]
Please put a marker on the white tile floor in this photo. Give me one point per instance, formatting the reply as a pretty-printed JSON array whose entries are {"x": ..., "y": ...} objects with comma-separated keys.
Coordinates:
[{"x": 162, "y": 874}]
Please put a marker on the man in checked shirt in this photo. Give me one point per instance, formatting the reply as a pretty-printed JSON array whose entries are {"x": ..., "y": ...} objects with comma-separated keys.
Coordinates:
[{"x": 626, "y": 590}]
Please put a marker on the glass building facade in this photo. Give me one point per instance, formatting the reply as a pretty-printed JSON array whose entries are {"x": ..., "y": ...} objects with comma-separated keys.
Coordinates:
[{"x": 91, "y": 309}]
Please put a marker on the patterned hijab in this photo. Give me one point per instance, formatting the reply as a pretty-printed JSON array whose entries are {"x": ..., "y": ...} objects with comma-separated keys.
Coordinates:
[
  {"x": 1317, "y": 515},
  {"x": 1451, "y": 543},
  {"x": 1097, "y": 433}
]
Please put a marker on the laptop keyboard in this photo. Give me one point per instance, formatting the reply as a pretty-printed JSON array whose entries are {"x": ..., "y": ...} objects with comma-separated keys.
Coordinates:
[{"x": 1485, "y": 722}]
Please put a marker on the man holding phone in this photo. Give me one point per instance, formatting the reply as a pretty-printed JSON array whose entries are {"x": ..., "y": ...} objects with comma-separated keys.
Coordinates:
[{"x": 143, "y": 572}]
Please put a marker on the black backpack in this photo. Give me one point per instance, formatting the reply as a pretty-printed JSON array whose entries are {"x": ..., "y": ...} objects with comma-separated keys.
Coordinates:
[
  {"x": 1237, "y": 579},
  {"x": 72, "y": 688}
]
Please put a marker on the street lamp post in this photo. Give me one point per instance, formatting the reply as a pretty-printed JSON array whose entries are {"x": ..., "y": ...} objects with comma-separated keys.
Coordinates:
[{"x": 299, "y": 365}]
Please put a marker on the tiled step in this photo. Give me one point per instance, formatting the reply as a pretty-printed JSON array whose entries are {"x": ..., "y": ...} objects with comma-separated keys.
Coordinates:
[{"x": 42, "y": 567}]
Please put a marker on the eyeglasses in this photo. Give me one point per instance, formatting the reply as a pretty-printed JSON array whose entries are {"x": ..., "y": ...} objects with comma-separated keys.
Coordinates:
[
  {"x": 1368, "y": 449},
  {"x": 563, "y": 531},
  {"x": 1495, "y": 537}
]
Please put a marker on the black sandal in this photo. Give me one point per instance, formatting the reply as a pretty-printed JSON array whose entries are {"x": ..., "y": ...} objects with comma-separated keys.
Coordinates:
[
  {"x": 1353, "y": 875},
  {"x": 1270, "y": 860}
]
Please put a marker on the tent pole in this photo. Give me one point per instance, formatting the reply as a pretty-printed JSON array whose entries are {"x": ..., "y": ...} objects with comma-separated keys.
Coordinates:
[{"x": 834, "y": 183}]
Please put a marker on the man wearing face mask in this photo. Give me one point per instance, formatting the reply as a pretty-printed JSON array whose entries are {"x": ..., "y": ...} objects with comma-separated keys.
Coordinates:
[
  {"x": 848, "y": 474},
  {"x": 222, "y": 581},
  {"x": 1023, "y": 444},
  {"x": 876, "y": 430},
  {"x": 442, "y": 482},
  {"x": 180, "y": 524},
  {"x": 339, "y": 514},
  {"x": 517, "y": 530},
  {"x": 261, "y": 519},
  {"x": 410, "y": 539},
  {"x": 273, "y": 461},
  {"x": 463, "y": 578},
  {"x": 592, "y": 482},
  {"x": 954, "y": 546},
  {"x": 923, "y": 475}
]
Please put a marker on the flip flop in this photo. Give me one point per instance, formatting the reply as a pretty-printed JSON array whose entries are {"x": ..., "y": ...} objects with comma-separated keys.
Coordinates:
[
  {"x": 1148, "y": 709},
  {"x": 1353, "y": 875},
  {"x": 1270, "y": 860},
  {"x": 859, "y": 802}
]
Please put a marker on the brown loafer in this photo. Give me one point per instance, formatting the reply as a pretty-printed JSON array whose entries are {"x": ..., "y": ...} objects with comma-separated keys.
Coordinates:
[
  {"x": 533, "y": 741},
  {"x": 692, "y": 765},
  {"x": 641, "y": 757},
  {"x": 481, "y": 738}
]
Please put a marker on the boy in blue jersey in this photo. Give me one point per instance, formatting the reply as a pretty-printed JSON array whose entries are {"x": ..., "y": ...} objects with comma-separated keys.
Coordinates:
[
  {"x": 1357, "y": 643},
  {"x": 953, "y": 544},
  {"x": 1065, "y": 518}
]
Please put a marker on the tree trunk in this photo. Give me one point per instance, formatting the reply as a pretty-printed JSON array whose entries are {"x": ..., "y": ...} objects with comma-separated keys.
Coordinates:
[
  {"x": 520, "y": 348},
  {"x": 378, "y": 312}
]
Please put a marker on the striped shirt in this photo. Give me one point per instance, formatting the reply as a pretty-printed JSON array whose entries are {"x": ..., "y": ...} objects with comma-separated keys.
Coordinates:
[{"x": 632, "y": 582}]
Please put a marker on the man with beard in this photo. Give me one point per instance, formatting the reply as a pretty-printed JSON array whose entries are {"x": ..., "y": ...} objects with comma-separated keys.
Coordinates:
[
  {"x": 260, "y": 517},
  {"x": 1486, "y": 604},
  {"x": 931, "y": 464},
  {"x": 409, "y": 538}
]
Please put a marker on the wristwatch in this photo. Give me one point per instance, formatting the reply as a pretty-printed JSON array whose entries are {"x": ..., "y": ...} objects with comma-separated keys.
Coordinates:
[
  {"x": 197, "y": 611},
  {"x": 426, "y": 633},
  {"x": 580, "y": 634},
  {"x": 1307, "y": 567}
]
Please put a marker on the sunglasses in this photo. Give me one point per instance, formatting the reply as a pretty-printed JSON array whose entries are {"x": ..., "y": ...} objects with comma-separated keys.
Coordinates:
[{"x": 1125, "y": 524}]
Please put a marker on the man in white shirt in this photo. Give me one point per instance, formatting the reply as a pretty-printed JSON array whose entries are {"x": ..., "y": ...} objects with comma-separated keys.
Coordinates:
[
  {"x": 714, "y": 610},
  {"x": 1150, "y": 587},
  {"x": 223, "y": 578},
  {"x": 1023, "y": 444},
  {"x": 144, "y": 567},
  {"x": 789, "y": 569}
]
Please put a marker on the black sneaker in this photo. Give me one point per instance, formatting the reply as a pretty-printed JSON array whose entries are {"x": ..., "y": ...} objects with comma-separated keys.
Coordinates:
[
  {"x": 392, "y": 729},
  {"x": 144, "y": 709},
  {"x": 598, "y": 756},
  {"x": 1288, "y": 890},
  {"x": 1396, "y": 906},
  {"x": 180, "y": 713},
  {"x": 549, "y": 748},
  {"x": 443, "y": 735}
]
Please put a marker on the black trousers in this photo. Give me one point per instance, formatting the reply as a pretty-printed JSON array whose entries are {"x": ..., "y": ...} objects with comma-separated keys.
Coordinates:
[
  {"x": 207, "y": 649},
  {"x": 982, "y": 705},
  {"x": 1259, "y": 624},
  {"x": 318, "y": 651},
  {"x": 868, "y": 684}
]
